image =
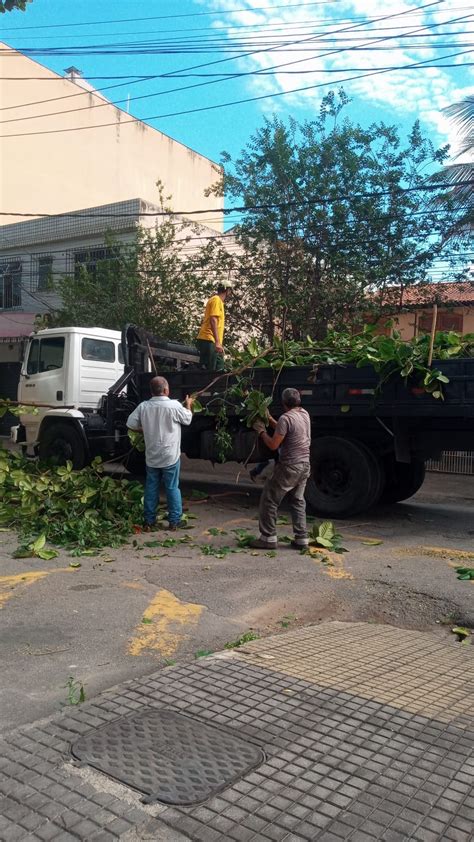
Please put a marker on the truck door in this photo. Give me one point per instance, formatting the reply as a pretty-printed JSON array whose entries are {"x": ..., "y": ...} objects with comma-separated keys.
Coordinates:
[{"x": 42, "y": 378}]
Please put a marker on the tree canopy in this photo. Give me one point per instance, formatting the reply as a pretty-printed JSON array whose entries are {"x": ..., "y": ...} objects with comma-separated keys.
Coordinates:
[
  {"x": 150, "y": 282},
  {"x": 10, "y": 5},
  {"x": 334, "y": 212}
]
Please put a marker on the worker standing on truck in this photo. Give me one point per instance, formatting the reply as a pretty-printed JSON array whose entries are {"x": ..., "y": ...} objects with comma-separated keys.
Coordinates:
[
  {"x": 160, "y": 420},
  {"x": 292, "y": 437},
  {"x": 211, "y": 335}
]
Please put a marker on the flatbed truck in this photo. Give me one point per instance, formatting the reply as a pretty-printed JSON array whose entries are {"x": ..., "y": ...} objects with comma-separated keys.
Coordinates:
[{"x": 369, "y": 442}]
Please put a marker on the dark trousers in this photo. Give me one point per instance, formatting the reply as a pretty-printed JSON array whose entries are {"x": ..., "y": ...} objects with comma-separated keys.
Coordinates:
[
  {"x": 208, "y": 356},
  {"x": 286, "y": 480}
]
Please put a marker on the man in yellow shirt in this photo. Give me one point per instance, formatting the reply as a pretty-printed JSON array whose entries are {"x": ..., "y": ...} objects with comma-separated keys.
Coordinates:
[{"x": 211, "y": 335}]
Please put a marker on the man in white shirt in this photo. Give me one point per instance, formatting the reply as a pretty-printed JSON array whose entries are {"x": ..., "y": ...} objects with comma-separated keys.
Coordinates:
[{"x": 160, "y": 420}]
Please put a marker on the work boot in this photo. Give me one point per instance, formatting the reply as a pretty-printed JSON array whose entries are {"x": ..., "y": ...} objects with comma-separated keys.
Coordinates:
[
  {"x": 262, "y": 544},
  {"x": 173, "y": 527},
  {"x": 299, "y": 545}
]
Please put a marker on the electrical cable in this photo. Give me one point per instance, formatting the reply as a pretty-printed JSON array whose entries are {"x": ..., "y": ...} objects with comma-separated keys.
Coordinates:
[
  {"x": 245, "y": 55},
  {"x": 285, "y": 6},
  {"x": 266, "y": 71},
  {"x": 241, "y": 209}
]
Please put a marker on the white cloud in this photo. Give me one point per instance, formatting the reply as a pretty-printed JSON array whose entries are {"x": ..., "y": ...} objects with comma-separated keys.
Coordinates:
[{"x": 319, "y": 45}]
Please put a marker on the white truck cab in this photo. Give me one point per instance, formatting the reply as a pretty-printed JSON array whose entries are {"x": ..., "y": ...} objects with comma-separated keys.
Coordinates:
[{"x": 65, "y": 373}]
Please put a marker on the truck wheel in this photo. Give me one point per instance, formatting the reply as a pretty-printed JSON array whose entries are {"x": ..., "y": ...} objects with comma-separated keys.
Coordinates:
[
  {"x": 346, "y": 477},
  {"x": 61, "y": 443},
  {"x": 403, "y": 480}
]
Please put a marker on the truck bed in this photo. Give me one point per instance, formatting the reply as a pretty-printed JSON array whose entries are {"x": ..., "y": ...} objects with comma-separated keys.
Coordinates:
[{"x": 325, "y": 389}]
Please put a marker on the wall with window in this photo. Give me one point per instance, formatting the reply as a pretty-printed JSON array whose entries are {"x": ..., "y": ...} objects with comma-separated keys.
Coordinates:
[
  {"x": 29, "y": 276},
  {"x": 460, "y": 319}
]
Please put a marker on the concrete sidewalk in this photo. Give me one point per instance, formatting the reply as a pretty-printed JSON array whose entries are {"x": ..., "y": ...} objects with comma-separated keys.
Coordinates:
[{"x": 367, "y": 733}]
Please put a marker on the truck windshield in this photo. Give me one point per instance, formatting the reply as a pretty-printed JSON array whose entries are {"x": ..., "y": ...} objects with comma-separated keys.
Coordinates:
[{"x": 45, "y": 354}]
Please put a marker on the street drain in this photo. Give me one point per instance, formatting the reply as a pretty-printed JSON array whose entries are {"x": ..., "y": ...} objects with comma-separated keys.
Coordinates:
[{"x": 167, "y": 756}]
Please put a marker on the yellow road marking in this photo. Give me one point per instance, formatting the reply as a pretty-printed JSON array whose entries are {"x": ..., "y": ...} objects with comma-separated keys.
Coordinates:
[
  {"x": 437, "y": 552},
  {"x": 9, "y": 583},
  {"x": 169, "y": 617},
  {"x": 336, "y": 569}
]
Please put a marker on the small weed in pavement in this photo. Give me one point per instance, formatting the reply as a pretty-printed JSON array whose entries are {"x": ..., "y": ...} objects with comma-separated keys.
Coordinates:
[
  {"x": 244, "y": 638},
  {"x": 465, "y": 573},
  {"x": 75, "y": 691},
  {"x": 287, "y": 620},
  {"x": 202, "y": 653}
]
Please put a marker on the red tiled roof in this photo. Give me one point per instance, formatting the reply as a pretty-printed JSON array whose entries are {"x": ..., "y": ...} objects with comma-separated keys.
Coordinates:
[{"x": 425, "y": 295}]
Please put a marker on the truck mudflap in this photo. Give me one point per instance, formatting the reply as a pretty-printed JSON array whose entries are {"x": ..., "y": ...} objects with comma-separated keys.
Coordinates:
[{"x": 18, "y": 434}]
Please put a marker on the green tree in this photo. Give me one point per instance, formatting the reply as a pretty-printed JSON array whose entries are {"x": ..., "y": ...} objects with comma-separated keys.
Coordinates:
[
  {"x": 10, "y": 5},
  {"x": 150, "y": 282},
  {"x": 333, "y": 214},
  {"x": 460, "y": 175}
]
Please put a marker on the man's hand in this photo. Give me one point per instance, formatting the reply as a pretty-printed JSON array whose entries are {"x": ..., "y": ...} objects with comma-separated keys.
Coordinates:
[
  {"x": 188, "y": 403},
  {"x": 219, "y": 348},
  {"x": 259, "y": 427}
]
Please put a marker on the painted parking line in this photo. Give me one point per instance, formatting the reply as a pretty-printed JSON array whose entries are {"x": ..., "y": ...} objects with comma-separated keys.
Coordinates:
[
  {"x": 163, "y": 625},
  {"x": 8, "y": 584}
]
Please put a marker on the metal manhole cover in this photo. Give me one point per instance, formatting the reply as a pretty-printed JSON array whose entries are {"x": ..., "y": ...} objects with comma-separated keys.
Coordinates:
[{"x": 167, "y": 756}]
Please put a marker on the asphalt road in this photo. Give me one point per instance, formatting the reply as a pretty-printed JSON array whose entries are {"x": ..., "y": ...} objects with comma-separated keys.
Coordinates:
[{"x": 58, "y": 622}]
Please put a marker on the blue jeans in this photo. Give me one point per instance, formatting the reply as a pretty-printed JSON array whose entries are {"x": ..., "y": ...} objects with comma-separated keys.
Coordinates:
[{"x": 170, "y": 478}]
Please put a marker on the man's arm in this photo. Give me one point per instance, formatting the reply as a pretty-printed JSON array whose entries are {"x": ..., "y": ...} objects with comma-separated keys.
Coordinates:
[
  {"x": 134, "y": 421},
  {"x": 184, "y": 414},
  {"x": 215, "y": 333},
  {"x": 272, "y": 442}
]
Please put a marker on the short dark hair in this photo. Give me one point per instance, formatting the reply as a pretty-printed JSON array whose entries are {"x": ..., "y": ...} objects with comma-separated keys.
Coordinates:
[
  {"x": 158, "y": 386},
  {"x": 291, "y": 398},
  {"x": 221, "y": 289}
]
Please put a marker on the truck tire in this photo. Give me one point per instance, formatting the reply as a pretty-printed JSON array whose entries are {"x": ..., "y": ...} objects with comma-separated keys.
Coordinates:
[
  {"x": 61, "y": 443},
  {"x": 402, "y": 480},
  {"x": 346, "y": 477}
]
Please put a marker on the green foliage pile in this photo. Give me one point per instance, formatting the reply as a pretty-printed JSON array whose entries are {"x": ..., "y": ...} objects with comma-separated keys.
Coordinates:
[
  {"x": 78, "y": 510},
  {"x": 390, "y": 356}
]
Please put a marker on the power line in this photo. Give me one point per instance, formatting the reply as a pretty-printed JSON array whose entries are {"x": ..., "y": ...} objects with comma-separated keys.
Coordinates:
[
  {"x": 213, "y": 107},
  {"x": 245, "y": 55},
  {"x": 231, "y": 28},
  {"x": 187, "y": 15},
  {"x": 241, "y": 209}
]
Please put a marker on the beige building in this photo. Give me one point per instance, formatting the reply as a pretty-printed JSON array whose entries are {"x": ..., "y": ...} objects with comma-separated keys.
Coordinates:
[
  {"x": 414, "y": 310},
  {"x": 54, "y": 159}
]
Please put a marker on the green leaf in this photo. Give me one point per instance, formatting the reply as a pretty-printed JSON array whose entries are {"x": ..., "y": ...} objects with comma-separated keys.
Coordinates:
[
  {"x": 75, "y": 564},
  {"x": 372, "y": 542},
  {"x": 146, "y": 621},
  {"x": 324, "y": 542},
  {"x": 345, "y": 408},
  {"x": 326, "y": 530},
  {"x": 47, "y": 555},
  {"x": 39, "y": 543}
]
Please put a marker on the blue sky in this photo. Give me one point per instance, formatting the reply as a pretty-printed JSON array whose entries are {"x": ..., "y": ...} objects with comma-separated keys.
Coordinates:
[{"x": 312, "y": 44}]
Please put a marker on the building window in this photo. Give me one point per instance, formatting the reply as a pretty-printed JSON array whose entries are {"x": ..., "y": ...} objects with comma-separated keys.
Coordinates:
[
  {"x": 10, "y": 285},
  {"x": 450, "y": 321},
  {"x": 44, "y": 272},
  {"x": 446, "y": 320},
  {"x": 90, "y": 258}
]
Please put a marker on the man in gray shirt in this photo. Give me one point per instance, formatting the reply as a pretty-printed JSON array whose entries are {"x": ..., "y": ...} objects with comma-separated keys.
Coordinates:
[
  {"x": 292, "y": 437},
  {"x": 160, "y": 420}
]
